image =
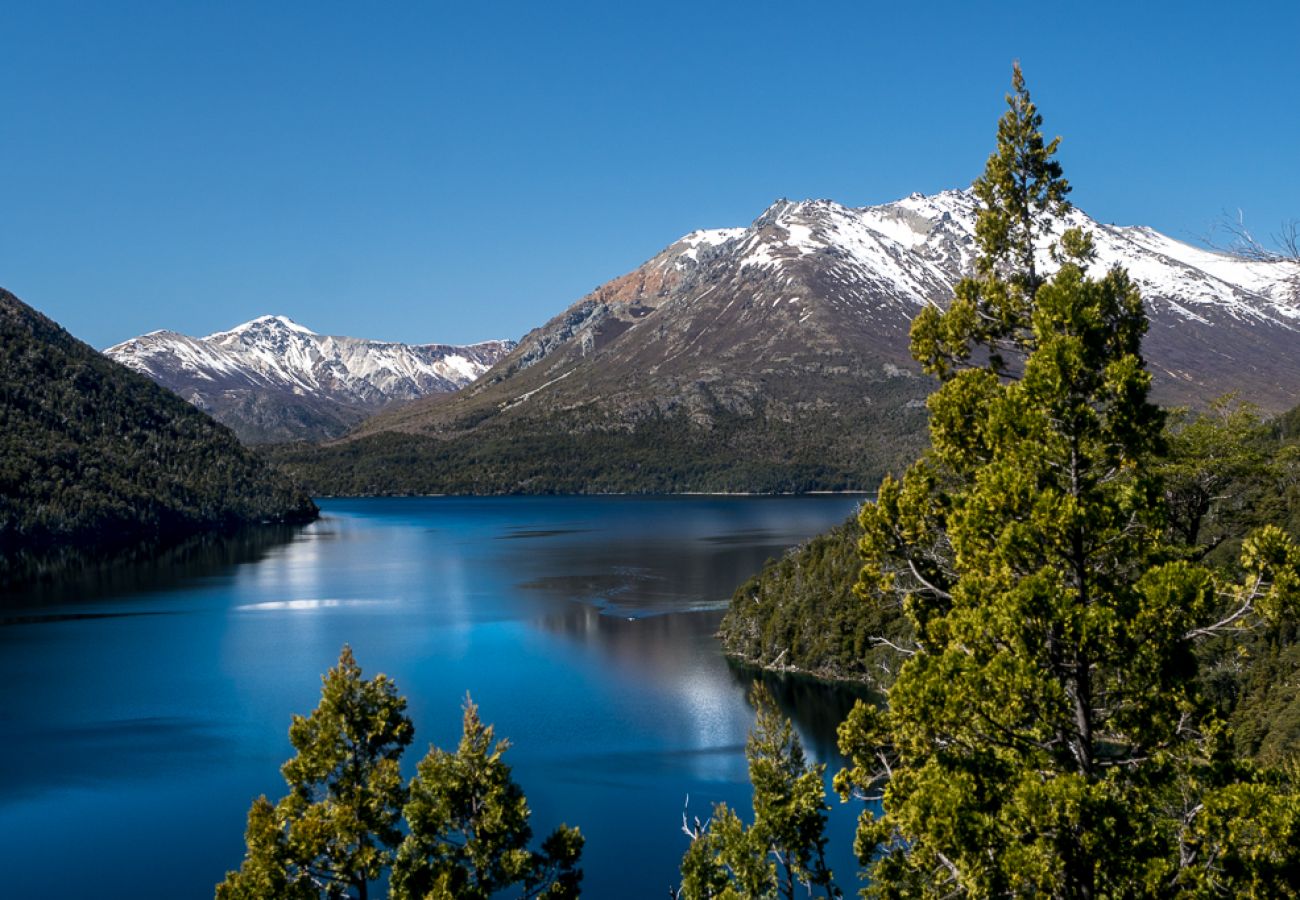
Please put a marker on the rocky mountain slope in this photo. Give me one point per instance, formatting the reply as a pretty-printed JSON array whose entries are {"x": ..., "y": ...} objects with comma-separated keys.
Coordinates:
[
  {"x": 779, "y": 354},
  {"x": 271, "y": 379},
  {"x": 94, "y": 457}
]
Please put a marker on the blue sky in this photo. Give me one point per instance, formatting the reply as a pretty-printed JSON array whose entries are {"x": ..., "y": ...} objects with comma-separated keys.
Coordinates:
[{"x": 457, "y": 172}]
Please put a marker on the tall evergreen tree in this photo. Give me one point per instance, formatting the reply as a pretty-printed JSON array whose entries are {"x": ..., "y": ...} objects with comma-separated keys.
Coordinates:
[
  {"x": 336, "y": 829},
  {"x": 469, "y": 830},
  {"x": 1046, "y": 736},
  {"x": 782, "y": 854}
]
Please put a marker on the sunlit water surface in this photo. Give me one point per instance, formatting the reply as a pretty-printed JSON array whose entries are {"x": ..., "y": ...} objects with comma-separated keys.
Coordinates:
[{"x": 142, "y": 713}]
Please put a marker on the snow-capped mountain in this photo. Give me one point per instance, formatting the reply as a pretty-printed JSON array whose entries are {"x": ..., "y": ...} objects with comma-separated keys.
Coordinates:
[
  {"x": 791, "y": 336},
  {"x": 914, "y": 250},
  {"x": 818, "y": 280},
  {"x": 272, "y": 379}
]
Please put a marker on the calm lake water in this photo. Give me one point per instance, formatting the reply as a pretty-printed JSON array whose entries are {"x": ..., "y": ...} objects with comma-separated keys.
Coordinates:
[{"x": 141, "y": 713}]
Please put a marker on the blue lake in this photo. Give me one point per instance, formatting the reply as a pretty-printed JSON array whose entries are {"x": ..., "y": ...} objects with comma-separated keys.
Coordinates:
[{"x": 143, "y": 711}]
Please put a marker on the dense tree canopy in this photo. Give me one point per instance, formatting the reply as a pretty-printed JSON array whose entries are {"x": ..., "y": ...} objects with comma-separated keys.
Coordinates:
[{"x": 1047, "y": 735}]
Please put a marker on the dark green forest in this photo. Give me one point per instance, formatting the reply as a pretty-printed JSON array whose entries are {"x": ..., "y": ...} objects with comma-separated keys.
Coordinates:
[
  {"x": 96, "y": 458},
  {"x": 801, "y": 613},
  {"x": 669, "y": 454}
]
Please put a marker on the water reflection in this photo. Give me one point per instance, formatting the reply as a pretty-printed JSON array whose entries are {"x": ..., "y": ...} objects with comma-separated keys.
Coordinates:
[
  {"x": 665, "y": 559},
  {"x": 162, "y": 694},
  {"x": 816, "y": 708},
  {"x": 73, "y": 575},
  {"x": 673, "y": 649},
  {"x": 283, "y": 605}
]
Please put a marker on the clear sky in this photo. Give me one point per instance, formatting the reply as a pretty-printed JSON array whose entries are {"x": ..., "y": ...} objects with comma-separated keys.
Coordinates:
[{"x": 432, "y": 171}]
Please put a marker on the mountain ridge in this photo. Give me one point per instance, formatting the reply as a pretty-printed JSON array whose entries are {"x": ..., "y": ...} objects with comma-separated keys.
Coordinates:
[
  {"x": 272, "y": 379},
  {"x": 867, "y": 268},
  {"x": 792, "y": 336}
]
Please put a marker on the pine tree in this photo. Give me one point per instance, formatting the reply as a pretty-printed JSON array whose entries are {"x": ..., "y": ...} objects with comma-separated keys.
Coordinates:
[
  {"x": 1047, "y": 735},
  {"x": 336, "y": 829},
  {"x": 469, "y": 830},
  {"x": 782, "y": 854}
]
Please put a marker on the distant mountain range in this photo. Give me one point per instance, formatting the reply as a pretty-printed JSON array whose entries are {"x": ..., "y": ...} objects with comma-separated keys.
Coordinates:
[
  {"x": 271, "y": 379},
  {"x": 96, "y": 458},
  {"x": 776, "y": 357}
]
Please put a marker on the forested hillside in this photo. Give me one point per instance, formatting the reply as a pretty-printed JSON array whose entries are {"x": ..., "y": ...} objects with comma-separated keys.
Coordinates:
[
  {"x": 801, "y": 614},
  {"x": 96, "y": 457},
  {"x": 815, "y": 451}
]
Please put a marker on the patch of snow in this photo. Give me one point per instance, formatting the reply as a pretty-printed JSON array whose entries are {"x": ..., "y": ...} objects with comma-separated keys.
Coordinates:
[{"x": 711, "y": 237}]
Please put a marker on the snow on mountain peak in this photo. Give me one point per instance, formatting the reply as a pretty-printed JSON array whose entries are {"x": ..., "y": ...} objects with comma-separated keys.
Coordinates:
[
  {"x": 283, "y": 321},
  {"x": 260, "y": 325},
  {"x": 711, "y": 237},
  {"x": 916, "y": 248},
  {"x": 273, "y": 355},
  {"x": 703, "y": 239}
]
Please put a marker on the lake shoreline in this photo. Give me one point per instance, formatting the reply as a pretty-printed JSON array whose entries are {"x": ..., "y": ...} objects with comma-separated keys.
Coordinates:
[{"x": 165, "y": 692}]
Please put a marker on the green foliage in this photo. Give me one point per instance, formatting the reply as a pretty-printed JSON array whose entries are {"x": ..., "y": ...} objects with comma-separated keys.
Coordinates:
[
  {"x": 800, "y": 613},
  {"x": 782, "y": 854},
  {"x": 1047, "y": 735},
  {"x": 336, "y": 829},
  {"x": 1245, "y": 841},
  {"x": 1261, "y": 677},
  {"x": 93, "y": 455},
  {"x": 469, "y": 829},
  {"x": 663, "y": 454},
  {"x": 1214, "y": 457},
  {"x": 1022, "y": 192}
]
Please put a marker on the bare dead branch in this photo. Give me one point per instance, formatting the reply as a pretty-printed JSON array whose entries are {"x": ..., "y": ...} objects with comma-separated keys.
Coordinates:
[{"x": 1231, "y": 235}]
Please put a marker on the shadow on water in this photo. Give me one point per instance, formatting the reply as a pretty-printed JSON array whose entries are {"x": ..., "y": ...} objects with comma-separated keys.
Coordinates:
[
  {"x": 651, "y": 645},
  {"x": 524, "y": 533},
  {"x": 71, "y": 574},
  {"x": 669, "y": 643},
  {"x": 816, "y": 707},
  {"x": 644, "y": 578},
  {"x": 104, "y": 752}
]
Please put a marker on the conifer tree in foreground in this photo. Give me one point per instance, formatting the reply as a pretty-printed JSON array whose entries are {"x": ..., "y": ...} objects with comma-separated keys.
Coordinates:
[
  {"x": 336, "y": 829},
  {"x": 782, "y": 854},
  {"x": 469, "y": 829},
  {"x": 1047, "y": 735}
]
